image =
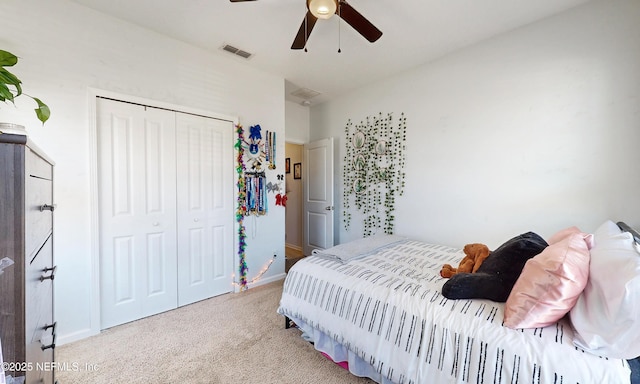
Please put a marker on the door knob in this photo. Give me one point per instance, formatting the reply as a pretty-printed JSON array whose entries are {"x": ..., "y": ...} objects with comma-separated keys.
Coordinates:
[{"x": 329, "y": 208}]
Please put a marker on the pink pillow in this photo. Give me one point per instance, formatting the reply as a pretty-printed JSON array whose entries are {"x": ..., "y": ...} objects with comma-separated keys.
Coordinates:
[
  {"x": 559, "y": 236},
  {"x": 550, "y": 282}
]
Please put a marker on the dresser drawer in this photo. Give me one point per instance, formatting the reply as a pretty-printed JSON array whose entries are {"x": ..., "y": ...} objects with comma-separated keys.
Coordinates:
[
  {"x": 38, "y": 219},
  {"x": 39, "y": 289},
  {"x": 37, "y": 166},
  {"x": 39, "y": 326}
]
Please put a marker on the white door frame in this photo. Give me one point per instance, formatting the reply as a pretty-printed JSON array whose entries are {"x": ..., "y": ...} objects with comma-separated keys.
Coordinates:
[{"x": 92, "y": 94}]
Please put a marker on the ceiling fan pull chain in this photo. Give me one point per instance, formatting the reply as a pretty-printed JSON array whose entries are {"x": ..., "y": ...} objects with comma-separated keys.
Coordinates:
[
  {"x": 339, "y": 24},
  {"x": 306, "y": 32}
]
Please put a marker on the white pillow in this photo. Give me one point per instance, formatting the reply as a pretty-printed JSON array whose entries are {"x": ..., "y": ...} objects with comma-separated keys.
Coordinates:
[
  {"x": 358, "y": 248},
  {"x": 607, "y": 313}
]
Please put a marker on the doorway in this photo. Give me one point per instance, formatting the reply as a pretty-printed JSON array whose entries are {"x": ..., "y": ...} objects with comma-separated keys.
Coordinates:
[{"x": 294, "y": 223}]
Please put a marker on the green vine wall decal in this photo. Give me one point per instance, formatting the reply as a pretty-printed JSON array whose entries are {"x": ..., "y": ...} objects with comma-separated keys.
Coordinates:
[{"x": 373, "y": 170}]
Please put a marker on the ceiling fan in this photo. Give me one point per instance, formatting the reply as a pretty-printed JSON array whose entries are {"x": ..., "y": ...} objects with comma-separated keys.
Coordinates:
[{"x": 324, "y": 9}]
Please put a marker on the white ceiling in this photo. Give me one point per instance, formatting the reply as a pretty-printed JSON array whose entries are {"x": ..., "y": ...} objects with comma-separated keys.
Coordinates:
[{"x": 414, "y": 32}]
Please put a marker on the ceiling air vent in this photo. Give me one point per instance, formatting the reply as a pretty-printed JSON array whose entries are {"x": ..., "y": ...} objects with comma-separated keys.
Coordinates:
[
  {"x": 236, "y": 51},
  {"x": 305, "y": 93}
]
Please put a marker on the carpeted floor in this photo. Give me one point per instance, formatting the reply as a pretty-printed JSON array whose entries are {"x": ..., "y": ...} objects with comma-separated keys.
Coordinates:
[{"x": 233, "y": 338}]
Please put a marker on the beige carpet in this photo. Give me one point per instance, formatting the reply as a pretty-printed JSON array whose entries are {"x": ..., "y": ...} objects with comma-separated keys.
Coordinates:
[{"x": 233, "y": 338}]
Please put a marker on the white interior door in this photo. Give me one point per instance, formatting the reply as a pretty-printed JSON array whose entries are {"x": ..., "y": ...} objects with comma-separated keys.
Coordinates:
[
  {"x": 318, "y": 195},
  {"x": 137, "y": 211},
  {"x": 205, "y": 207}
]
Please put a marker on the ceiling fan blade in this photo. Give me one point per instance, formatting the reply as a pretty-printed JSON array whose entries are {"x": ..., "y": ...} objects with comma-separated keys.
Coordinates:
[
  {"x": 358, "y": 22},
  {"x": 239, "y": 1},
  {"x": 305, "y": 30}
]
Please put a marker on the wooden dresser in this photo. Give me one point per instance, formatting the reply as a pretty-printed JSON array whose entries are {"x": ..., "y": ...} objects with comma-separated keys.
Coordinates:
[{"x": 27, "y": 326}]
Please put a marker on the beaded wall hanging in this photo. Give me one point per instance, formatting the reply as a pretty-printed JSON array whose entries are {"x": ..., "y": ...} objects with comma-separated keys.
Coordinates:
[{"x": 257, "y": 152}]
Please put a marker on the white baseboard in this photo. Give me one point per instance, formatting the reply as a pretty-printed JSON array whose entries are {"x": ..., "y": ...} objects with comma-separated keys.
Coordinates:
[
  {"x": 267, "y": 280},
  {"x": 294, "y": 247},
  {"x": 293, "y": 251},
  {"x": 75, "y": 336}
]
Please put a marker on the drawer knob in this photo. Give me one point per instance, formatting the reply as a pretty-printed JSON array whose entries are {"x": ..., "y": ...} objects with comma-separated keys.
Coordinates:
[{"x": 47, "y": 207}]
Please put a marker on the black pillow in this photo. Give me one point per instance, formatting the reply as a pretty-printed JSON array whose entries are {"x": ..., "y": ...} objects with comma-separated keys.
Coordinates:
[{"x": 498, "y": 273}]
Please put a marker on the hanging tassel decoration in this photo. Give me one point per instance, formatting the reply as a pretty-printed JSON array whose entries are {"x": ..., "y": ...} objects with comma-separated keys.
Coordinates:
[{"x": 241, "y": 211}]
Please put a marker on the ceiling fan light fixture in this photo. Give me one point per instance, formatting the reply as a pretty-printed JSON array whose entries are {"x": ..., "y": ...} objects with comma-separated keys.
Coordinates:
[{"x": 322, "y": 9}]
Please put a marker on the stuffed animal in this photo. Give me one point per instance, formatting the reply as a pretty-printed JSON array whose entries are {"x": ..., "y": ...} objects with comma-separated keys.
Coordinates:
[
  {"x": 497, "y": 275},
  {"x": 475, "y": 255}
]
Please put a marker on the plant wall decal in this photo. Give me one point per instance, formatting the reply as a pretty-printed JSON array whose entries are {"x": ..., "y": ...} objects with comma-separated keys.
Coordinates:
[{"x": 374, "y": 167}]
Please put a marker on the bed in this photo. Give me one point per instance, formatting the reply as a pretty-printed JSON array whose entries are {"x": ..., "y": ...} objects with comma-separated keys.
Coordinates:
[{"x": 377, "y": 306}]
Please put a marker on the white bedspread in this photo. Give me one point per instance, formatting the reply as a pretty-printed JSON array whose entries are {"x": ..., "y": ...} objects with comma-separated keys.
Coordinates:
[{"x": 387, "y": 309}]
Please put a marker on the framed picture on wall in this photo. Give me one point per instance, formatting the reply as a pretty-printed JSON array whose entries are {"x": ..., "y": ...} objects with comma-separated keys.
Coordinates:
[
  {"x": 297, "y": 170},
  {"x": 287, "y": 165}
]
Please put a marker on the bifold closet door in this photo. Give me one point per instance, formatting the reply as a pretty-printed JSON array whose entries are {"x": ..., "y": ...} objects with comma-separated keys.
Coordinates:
[
  {"x": 137, "y": 194},
  {"x": 205, "y": 207}
]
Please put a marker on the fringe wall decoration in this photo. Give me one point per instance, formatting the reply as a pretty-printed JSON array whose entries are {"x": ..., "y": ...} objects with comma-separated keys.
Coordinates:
[
  {"x": 241, "y": 211},
  {"x": 374, "y": 167}
]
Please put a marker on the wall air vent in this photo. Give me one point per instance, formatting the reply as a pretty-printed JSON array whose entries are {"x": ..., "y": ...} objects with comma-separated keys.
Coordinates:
[{"x": 236, "y": 51}]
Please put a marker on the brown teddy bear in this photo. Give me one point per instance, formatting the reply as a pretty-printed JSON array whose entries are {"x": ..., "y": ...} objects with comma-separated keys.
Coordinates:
[{"x": 475, "y": 254}]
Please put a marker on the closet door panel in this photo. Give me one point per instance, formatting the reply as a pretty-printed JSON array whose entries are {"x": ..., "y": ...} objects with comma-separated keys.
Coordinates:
[
  {"x": 194, "y": 267},
  {"x": 205, "y": 207},
  {"x": 218, "y": 236},
  {"x": 137, "y": 211}
]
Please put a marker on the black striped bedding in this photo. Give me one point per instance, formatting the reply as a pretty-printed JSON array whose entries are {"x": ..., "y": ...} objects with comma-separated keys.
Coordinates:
[{"x": 387, "y": 310}]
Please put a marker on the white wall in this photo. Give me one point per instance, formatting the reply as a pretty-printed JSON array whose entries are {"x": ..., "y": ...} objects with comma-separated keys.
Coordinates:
[
  {"x": 296, "y": 122},
  {"x": 65, "y": 49},
  {"x": 536, "y": 129}
]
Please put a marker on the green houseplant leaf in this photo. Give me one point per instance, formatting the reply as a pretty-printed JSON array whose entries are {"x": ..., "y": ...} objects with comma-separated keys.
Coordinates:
[
  {"x": 7, "y": 59},
  {"x": 5, "y": 93},
  {"x": 10, "y": 86},
  {"x": 42, "y": 111}
]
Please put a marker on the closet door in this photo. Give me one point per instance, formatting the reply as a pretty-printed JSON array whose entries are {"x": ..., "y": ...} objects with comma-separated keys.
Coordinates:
[
  {"x": 137, "y": 189},
  {"x": 205, "y": 207}
]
